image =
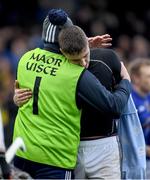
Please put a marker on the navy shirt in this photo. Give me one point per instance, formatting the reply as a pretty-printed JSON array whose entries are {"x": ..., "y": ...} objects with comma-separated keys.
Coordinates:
[{"x": 143, "y": 107}]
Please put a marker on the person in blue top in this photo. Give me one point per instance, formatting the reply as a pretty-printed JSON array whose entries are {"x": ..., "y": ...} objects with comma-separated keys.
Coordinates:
[{"x": 140, "y": 76}]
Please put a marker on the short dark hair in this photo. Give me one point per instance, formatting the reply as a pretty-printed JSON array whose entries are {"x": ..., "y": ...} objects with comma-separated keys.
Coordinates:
[{"x": 72, "y": 40}]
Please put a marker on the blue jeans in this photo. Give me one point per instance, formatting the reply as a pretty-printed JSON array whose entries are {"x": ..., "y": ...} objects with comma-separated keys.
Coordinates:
[{"x": 42, "y": 171}]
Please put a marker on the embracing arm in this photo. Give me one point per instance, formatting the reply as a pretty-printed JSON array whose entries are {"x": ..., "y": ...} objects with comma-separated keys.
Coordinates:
[
  {"x": 93, "y": 92},
  {"x": 21, "y": 96},
  {"x": 102, "y": 41}
]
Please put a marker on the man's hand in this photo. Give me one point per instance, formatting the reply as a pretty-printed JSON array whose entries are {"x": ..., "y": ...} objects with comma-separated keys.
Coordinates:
[
  {"x": 124, "y": 73},
  {"x": 103, "y": 41},
  {"x": 21, "y": 96}
]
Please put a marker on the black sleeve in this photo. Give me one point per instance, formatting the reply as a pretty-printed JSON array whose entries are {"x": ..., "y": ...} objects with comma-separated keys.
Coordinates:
[{"x": 91, "y": 91}]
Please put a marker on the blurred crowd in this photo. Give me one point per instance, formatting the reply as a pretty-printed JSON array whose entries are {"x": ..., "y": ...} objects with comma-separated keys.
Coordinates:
[{"x": 20, "y": 30}]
